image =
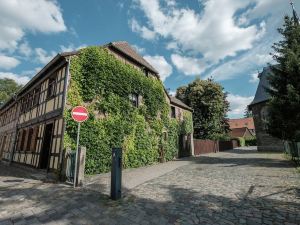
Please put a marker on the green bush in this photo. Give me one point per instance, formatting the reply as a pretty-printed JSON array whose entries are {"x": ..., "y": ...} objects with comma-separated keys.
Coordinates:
[
  {"x": 102, "y": 83},
  {"x": 221, "y": 137},
  {"x": 250, "y": 141},
  {"x": 241, "y": 141}
]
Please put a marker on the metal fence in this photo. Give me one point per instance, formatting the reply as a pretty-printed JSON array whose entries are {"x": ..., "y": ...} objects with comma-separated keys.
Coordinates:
[
  {"x": 70, "y": 165},
  {"x": 293, "y": 149}
]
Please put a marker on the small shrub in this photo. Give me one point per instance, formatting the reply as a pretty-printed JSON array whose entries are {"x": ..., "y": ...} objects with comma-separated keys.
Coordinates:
[
  {"x": 241, "y": 141},
  {"x": 251, "y": 141}
]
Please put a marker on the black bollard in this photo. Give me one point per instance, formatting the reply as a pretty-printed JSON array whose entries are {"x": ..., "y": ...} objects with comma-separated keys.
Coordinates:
[{"x": 116, "y": 174}]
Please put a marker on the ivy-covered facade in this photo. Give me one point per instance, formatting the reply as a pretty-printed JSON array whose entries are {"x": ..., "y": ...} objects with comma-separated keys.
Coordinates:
[{"x": 128, "y": 107}]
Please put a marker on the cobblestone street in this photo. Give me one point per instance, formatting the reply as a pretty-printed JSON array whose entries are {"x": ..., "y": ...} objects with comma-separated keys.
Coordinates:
[{"x": 235, "y": 187}]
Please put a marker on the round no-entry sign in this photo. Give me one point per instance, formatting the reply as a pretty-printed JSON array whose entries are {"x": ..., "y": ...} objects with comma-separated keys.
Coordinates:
[{"x": 80, "y": 114}]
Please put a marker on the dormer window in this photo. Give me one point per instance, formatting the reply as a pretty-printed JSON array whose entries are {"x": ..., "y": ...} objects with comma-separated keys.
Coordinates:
[{"x": 134, "y": 99}]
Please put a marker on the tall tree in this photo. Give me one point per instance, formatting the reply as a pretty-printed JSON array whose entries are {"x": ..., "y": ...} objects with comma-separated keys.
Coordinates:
[
  {"x": 284, "y": 107},
  {"x": 210, "y": 106},
  {"x": 7, "y": 88}
]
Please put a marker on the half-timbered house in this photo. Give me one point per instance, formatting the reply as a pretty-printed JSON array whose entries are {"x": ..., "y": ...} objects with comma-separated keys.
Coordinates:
[{"x": 31, "y": 122}]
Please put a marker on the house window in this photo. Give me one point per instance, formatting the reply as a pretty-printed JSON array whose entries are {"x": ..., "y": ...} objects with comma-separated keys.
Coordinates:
[
  {"x": 22, "y": 109},
  {"x": 30, "y": 135},
  {"x": 29, "y": 101},
  {"x": 36, "y": 133},
  {"x": 146, "y": 72},
  {"x": 51, "y": 87},
  {"x": 23, "y": 137},
  {"x": 264, "y": 117},
  {"x": 25, "y": 103},
  {"x": 36, "y": 96},
  {"x": 3, "y": 144},
  {"x": 173, "y": 112},
  {"x": 33, "y": 141},
  {"x": 19, "y": 140},
  {"x": 165, "y": 136},
  {"x": 134, "y": 99}
]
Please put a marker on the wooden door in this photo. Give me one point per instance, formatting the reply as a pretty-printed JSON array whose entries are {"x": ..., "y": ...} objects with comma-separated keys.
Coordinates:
[{"x": 45, "y": 151}]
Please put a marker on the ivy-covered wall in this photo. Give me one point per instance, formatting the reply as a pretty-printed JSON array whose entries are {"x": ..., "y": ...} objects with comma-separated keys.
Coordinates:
[{"x": 103, "y": 84}]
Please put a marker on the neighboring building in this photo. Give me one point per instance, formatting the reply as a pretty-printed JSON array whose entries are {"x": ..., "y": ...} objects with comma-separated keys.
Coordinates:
[
  {"x": 241, "y": 123},
  {"x": 32, "y": 124},
  {"x": 259, "y": 108},
  {"x": 243, "y": 132}
]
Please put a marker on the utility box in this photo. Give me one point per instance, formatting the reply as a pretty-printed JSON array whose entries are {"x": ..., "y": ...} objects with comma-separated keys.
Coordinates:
[{"x": 116, "y": 174}]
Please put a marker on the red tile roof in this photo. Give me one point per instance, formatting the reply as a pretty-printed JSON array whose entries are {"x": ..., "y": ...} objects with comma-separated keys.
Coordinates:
[
  {"x": 240, "y": 132},
  {"x": 243, "y": 122}
]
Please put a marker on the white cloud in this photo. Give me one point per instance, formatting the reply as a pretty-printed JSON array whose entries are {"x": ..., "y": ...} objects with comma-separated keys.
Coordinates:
[
  {"x": 7, "y": 62},
  {"x": 213, "y": 32},
  {"x": 142, "y": 30},
  {"x": 247, "y": 62},
  {"x": 172, "y": 46},
  {"x": 19, "y": 79},
  {"x": 161, "y": 65},
  {"x": 172, "y": 93},
  {"x": 71, "y": 47},
  {"x": 25, "y": 49},
  {"x": 238, "y": 105},
  {"x": 188, "y": 65},
  {"x": 30, "y": 73},
  {"x": 254, "y": 78},
  {"x": 139, "y": 49},
  {"x": 171, "y": 3},
  {"x": 19, "y": 16},
  {"x": 234, "y": 37},
  {"x": 43, "y": 56}
]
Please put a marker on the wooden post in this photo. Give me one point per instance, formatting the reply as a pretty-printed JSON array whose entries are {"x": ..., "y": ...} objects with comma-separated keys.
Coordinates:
[{"x": 81, "y": 166}]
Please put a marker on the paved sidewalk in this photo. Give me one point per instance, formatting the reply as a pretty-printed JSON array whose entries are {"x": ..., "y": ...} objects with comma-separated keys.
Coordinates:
[
  {"x": 236, "y": 187},
  {"x": 134, "y": 177}
]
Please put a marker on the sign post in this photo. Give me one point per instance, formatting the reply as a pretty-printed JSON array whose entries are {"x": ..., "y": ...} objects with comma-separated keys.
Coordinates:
[{"x": 79, "y": 114}]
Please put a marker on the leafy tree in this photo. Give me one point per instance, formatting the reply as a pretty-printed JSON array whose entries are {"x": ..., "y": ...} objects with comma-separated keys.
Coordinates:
[
  {"x": 247, "y": 113},
  {"x": 210, "y": 106},
  {"x": 284, "y": 106},
  {"x": 7, "y": 88}
]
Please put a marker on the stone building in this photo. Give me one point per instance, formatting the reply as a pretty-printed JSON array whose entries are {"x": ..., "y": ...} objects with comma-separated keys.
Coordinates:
[
  {"x": 259, "y": 108},
  {"x": 32, "y": 123}
]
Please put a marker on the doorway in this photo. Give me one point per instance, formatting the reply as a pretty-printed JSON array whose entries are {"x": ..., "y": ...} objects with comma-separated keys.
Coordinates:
[{"x": 45, "y": 151}]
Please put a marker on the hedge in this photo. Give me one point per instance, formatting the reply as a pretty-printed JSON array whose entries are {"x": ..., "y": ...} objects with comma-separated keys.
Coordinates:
[{"x": 250, "y": 141}]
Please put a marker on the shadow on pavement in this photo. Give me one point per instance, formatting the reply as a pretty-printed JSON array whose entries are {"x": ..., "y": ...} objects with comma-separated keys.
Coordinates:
[{"x": 66, "y": 206}]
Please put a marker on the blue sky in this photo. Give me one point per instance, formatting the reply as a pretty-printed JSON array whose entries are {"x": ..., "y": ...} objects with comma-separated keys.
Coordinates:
[{"x": 229, "y": 40}]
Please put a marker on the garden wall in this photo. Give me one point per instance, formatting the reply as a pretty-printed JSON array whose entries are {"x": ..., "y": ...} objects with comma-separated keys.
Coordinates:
[
  {"x": 210, "y": 146},
  {"x": 227, "y": 145},
  {"x": 205, "y": 146}
]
